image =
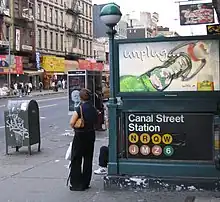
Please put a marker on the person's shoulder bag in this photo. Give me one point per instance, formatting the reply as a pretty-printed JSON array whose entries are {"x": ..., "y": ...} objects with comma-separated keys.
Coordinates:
[{"x": 80, "y": 121}]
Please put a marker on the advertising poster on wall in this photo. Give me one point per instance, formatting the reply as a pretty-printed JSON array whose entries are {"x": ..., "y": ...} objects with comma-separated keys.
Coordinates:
[
  {"x": 169, "y": 66},
  {"x": 213, "y": 29},
  {"x": 194, "y": 14},
  {"x": 16, "y": 64},
  {"x": 75, "y": 83},
  {"x": 170, "y": 136}
]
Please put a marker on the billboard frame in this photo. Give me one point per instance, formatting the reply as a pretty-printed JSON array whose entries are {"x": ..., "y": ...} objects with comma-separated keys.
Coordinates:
[{"x": 186, "y": 94}]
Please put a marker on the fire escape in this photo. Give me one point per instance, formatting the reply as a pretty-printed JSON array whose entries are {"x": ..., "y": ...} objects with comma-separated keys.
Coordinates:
[
  {"x": 73, "y": 30},
  {"x": 24, "y": 20},
  {"x": 4, "y": 43}
]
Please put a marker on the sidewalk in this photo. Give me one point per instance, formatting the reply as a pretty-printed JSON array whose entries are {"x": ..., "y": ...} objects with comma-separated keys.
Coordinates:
[
  {"x": 42, "y": 178},
  {"x": 37, "y": 93}
]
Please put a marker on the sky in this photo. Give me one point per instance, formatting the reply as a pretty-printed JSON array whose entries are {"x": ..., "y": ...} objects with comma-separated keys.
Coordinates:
[{"x": 168, "y": 13}]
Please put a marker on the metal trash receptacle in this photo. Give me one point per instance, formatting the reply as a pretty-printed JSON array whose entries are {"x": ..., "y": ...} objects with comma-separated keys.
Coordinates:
[{"x": 22, "y": 124}]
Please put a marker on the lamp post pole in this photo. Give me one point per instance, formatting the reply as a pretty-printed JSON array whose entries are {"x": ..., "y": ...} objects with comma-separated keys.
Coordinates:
[
  {"x": 111, "y": 15},
  {"x": 111, "y": 34}
]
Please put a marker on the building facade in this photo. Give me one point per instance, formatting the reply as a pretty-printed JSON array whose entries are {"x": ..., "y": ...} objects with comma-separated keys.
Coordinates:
[
  {"x": 64, "y": 28},
  {"x": 49, "y": 25},
  {"x": 78, "y": 28}
]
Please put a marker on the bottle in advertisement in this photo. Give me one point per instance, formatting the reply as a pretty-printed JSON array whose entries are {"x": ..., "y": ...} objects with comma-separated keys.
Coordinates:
[
  {"x": 205, "y": 82},
  {"x": 158, "y": 78}
]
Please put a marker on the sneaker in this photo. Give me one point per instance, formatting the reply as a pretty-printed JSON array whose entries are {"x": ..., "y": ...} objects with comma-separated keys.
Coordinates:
[{"x": 100, "y": 171}]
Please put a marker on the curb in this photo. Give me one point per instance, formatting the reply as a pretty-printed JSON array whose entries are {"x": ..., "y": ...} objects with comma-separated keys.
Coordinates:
[{"x": 37, "y": 95}]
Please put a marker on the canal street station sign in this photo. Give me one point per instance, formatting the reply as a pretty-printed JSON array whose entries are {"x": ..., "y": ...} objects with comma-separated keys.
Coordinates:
[{"x": 169, "y": 136}]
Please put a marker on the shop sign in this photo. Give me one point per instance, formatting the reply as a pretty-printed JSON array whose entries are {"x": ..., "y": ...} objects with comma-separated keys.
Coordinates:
[
  {"x": 53, "y": 64},
  {"x": 169, "y": 66},
  {"x": 16, "y": 66},
  {"x": 26, "y": 47},
  {"x": 170, "y": 136},
  {"x": 90, "y": 65},
  {"x": 71, "y": 65}
]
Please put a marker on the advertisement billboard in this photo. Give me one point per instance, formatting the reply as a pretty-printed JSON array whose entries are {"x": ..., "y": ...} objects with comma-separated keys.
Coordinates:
[
  {"x": 169, "y": 136},
  {"x": 194, "y": 14},
  {"x": 213, "y": 29},
  {"x": 169, "y": 66},
  {"x": 76, "y": 81},
  {"x": 16, "y": 64}
]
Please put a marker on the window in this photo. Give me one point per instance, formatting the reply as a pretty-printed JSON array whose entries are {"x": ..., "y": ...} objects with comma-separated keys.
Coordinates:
[
  {"x": 7, "y": 32},
  {"x": 38, "y": 11},
  {"x": 83, "y": 27},
  {"x": 51, "y": 15},
  {"x": 45, "y": 39},
  {"x": 94, "y": 53},
  {"x": 61, "y": 43},
  {"x": 80, "y": 45},
  {"x": 7, "y": 3},
  {"x": 80, "y": 25},
  {"x": 90, "y": 48},
  {"x": 90, "y": 29},
  {"x": 83, "y": 47},
  {"x": 90, "y": 11},
  {"x": 87, "y": 48},
  {"x": 51, "y": 40},
  {"x": 57, "y": 42},
  {"x": 83, "y": 8},
  {"x": 87, "y": 14},
  {"x": 87, "y": 28},
  {"x": 61, "y": 16},
  {"x": 45, "y": 13},
  {"x": 39, "y": 38},
  {"x": 56, "y": 17}
]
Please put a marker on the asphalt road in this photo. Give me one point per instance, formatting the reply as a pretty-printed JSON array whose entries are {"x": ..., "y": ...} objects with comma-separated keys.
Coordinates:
[
  {"x": 53, "y": 114},
  {"x": 41, "y": 177}
]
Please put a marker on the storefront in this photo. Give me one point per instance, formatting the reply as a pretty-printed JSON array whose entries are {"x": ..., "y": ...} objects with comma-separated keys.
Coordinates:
[
  {"x": 16, "y": 68},
  {"x": 54, "y": 69}
]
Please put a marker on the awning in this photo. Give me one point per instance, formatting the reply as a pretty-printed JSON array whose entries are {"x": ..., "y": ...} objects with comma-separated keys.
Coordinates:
[{"x": 33, "y": 73}]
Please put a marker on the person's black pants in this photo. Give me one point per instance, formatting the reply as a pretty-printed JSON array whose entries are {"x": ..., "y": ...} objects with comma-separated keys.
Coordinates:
[
  {"x": 82, "y": 149},
  {"x": 103, "y": 156}
]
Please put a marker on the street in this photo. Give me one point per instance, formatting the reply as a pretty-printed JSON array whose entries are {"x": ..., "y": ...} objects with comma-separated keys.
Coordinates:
[{"x": 42, "y": 176}]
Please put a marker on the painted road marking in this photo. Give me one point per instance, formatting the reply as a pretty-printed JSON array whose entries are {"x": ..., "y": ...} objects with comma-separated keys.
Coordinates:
[
  {"x": 1, "y": 127},
  {"x": 42, "y": 117},
  {"x": 49, "y": 99},
  {"x": 46, "y": 106},
  {"x": 2, "y": 106}
]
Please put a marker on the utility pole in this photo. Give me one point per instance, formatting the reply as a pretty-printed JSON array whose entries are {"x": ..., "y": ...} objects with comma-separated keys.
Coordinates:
[{"x": 9, "y": 63}]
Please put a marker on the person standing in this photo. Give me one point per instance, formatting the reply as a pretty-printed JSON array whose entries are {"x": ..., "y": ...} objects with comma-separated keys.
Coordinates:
[
  {"x": 40, "y": 86},
  {"x": 83, "y": 143},
  {"x": 63, "y": 84}
]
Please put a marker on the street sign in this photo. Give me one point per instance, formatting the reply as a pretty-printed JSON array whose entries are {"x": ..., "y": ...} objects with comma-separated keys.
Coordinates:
[{"x": 172, "y": 136}]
